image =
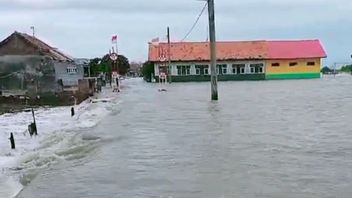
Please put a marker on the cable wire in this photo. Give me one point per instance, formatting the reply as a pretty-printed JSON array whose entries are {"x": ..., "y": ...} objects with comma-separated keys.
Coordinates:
[{"x": 195, "y": 23}]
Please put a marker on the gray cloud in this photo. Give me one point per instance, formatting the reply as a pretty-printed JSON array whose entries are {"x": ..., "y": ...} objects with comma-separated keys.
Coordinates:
[
  {"x": 120, "y": 6},
  {"x": 83, "y": 27}
]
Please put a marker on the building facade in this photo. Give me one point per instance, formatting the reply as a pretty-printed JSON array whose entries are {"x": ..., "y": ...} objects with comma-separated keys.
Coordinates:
[
  {"x": 245, "y": 60},
  {"x": 69, "y": 74},
  {"x": 29, "y": 64}
]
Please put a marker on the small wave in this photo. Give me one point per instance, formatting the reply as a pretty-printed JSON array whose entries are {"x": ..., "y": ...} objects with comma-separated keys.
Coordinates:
[
  {"x": 61, "y": 138},
  {"x": 90, "y": 137}
]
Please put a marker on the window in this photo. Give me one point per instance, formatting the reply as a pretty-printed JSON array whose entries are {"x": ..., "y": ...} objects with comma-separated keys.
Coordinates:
[
  {"x": 234, "y": 70},
  {"x": 252, "y": 70},
  {"x": 257, "y": 68},
  {"x": 198, "y": 70},
  {"x": 224, "y": 69},
  {"x": 179, "y": 70},
  {"x": 238, "y": 68},
  {"x": 275, "y": 64},
  {"x": 206, "y": 71},
  {"x": 242, "y": 70},
  {"x": 202, "y": 69},
  {"x": 71, "y": 70},
  {"x": 310, "y": 63},
  {"x": 221, "y": 69},
  {"x": 183, "y": 70},
  {"x": 163, "y": 69},
  {"x": 293, "y": 64}
]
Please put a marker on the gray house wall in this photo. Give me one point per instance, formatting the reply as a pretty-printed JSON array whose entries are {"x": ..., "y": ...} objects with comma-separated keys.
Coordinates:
[
  {"x": 30, "y": 73},
  {"x": 69, "y": 72}
]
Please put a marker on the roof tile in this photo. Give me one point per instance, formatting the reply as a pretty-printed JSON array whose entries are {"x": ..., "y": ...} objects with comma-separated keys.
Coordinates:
[{"x": 237, "y": 50}]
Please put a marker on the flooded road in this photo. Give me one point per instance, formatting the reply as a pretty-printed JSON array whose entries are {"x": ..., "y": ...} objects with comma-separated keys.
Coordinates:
[{"x": 288, "y": 138}]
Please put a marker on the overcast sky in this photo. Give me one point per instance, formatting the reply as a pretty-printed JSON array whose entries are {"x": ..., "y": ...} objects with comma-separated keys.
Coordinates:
[{"x": 83, "y": 28}]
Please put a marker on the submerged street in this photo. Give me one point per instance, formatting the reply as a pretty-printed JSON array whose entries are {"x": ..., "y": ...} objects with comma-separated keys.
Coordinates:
[{"x": 262, "y": 139}]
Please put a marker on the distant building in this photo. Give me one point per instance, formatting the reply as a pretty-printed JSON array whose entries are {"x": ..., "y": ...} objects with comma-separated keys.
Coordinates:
[
  {"x": 239, "y": 60},
  {"x": 84, "y": 62},
  {"x": 29, "y": 64},
  {"x": 135, "y": 69}
]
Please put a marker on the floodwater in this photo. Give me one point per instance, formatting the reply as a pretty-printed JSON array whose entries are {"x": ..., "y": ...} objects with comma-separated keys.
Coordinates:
[{"x": 289, "y": 138}]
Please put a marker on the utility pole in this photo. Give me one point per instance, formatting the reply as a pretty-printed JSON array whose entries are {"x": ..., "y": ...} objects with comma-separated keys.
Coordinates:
[
  {"x": 214, "y": 77},
  {"x": 169, "y": 54}
]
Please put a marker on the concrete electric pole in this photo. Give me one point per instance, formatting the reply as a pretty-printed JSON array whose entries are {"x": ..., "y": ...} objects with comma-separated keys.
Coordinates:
[
  {"x": 169, "y": 54},
  {"x": 214, "y": 77}
]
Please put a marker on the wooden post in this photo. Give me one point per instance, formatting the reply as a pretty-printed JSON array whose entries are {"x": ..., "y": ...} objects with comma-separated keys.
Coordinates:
[
  {"x": 35, "y": 132},
  {"x": 72, "y": 111},
  {"x": 214, "y": 86},
  {"x": 12, "y": 141}
]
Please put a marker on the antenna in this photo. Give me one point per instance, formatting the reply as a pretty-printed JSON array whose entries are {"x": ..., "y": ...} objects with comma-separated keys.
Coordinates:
[{"x": 33, "y": 31}]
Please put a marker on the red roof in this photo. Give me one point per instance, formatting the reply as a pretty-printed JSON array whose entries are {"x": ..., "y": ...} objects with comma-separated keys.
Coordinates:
[
  {"x": 238, "y": 50},
  {"x": 295, "y": 49}
]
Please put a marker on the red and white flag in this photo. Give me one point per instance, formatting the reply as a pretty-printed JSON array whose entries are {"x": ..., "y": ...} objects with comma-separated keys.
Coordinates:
[{"x": 114, "y": 39}]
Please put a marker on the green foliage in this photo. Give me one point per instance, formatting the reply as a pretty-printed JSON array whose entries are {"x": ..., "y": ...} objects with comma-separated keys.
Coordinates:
[
  {"x": 326, "y": 70},
  {"x": 94, "y": 66},
  {"x": 347, "y": 68},
  {"x": 147, "y": 71},
  {"x": 124, "y": 64},
  {"x": 105, "y": 64}
]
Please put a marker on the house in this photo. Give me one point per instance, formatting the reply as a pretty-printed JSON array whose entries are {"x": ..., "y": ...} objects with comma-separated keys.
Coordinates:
[
  {"x": 29, "y": 64},
  {"x": 84, "y": 62},
  {"x": 135, "y": 69},
  {"x": 239, "y": 60}
]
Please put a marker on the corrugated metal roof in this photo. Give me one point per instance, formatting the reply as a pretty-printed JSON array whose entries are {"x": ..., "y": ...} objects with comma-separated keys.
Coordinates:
[{"x": 238, "y": 50}]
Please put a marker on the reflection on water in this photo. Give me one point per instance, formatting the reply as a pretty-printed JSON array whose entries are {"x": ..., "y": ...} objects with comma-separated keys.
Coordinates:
[{"x": 262, "y": 139}]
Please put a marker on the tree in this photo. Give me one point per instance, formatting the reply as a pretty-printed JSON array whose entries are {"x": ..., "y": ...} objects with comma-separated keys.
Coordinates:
[
  {"x": 346, "y": 68},
  {"x": 147, "y": 71},
  {"x": 105, "y": 64},
  {"x": 326, "y": 70},
  {"x": 94, "y": 66},
  {"x": 123, "y": 64}
]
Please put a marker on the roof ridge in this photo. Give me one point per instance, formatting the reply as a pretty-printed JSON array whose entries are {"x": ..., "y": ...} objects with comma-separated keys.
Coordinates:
[
  {"x": 29, "y": 37},
  {"x": 292, "y": 40},
  {"x": 245, "y": 41},
  {"x": 43, "y": 45}
]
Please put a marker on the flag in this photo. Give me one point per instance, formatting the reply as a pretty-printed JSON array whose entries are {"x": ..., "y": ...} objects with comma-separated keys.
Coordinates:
[
  {"x": 114, "y": 39},
  {"x": 155, "y": 41}
]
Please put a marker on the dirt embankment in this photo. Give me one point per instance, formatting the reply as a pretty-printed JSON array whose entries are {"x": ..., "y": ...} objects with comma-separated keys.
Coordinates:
[{"x": 12, "y": 104}]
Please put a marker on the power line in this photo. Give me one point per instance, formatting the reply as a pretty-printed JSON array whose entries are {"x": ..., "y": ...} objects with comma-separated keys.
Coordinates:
[{"x": 195, "y": 23}]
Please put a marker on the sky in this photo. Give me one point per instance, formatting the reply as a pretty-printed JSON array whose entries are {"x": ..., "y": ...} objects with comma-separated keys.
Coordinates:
[{"x": 83, "y": 28}]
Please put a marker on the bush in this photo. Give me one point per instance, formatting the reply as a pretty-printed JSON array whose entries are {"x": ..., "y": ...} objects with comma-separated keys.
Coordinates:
[{"x": 148, "y": 71}]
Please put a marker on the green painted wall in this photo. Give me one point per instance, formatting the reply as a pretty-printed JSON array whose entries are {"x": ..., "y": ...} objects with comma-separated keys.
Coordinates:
[{"x": 292, "y": 76}]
